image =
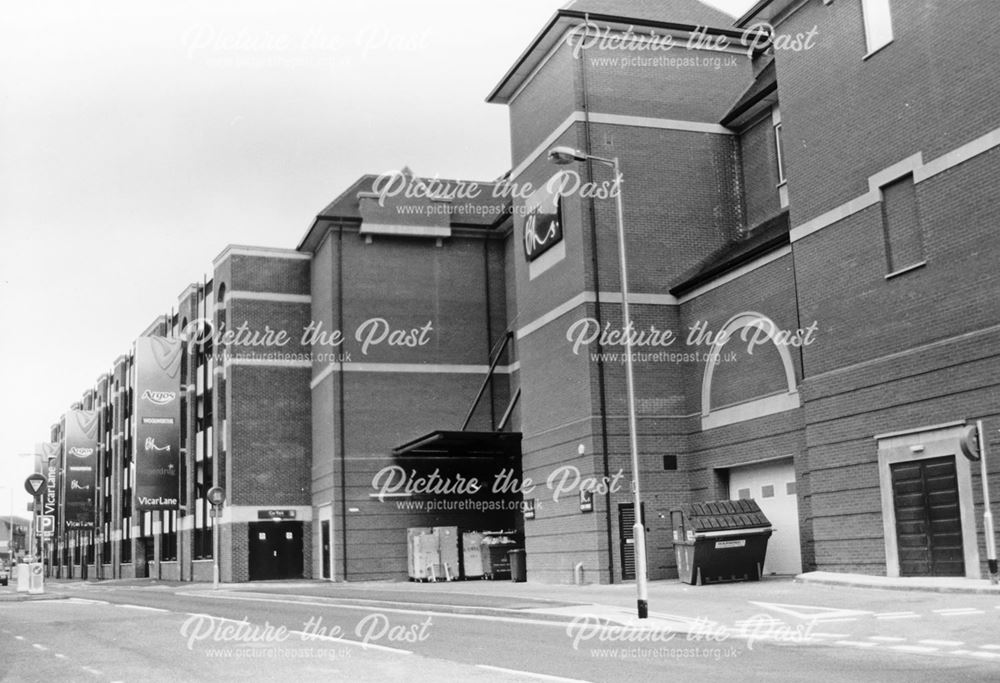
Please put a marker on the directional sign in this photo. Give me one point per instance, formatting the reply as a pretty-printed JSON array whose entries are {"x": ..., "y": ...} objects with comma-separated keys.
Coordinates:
[
  {"x": 35, "y": 484},
  {"x": 46, "y": 525}
]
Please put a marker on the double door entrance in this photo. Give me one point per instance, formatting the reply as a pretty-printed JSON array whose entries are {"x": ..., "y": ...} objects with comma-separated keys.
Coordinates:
[
  {"x": 275, "y": 550},
  {"x": 928, "y": 517}
]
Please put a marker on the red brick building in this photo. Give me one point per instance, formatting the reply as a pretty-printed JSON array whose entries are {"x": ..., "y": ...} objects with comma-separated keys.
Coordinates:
[{"x": 810, "y": 219}]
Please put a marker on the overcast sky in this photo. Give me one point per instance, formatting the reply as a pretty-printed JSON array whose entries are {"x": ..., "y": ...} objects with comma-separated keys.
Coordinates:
[{"x": 138, "y": 139}]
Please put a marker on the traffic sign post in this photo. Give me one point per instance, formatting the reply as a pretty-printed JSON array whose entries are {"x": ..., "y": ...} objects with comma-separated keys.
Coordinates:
[
  {"x": 35, "y": 484},
  {"x": 216, "y": 496},
  {"x": 991, "y": 548},
  {"x": 46, "y": 525},
  {"x": 36, "y": 578}
]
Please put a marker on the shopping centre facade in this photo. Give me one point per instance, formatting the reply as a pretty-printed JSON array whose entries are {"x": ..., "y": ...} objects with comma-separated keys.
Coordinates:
[{"x": 811, "y": 237}]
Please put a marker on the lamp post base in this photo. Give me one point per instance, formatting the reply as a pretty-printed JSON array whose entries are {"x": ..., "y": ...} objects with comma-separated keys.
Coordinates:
[{"x": 643, "y": 609}]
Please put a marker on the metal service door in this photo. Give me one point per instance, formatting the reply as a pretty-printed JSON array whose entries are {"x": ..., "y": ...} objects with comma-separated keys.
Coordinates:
[
  {"x": 275, "y": 550},
  {"x": 626, "y": 519},
  {"x": 772, "y": 485}
]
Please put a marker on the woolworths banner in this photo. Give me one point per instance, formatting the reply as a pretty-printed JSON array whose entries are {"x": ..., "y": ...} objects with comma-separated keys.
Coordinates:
[
  {"x": 80, "y": 469},
  {"x": 157, "y": 423}
]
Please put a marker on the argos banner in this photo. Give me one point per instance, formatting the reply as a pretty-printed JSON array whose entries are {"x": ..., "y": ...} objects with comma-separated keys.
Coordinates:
[
  {"x": 157, "y": 423},
  {"x": 80, "y": 469}
]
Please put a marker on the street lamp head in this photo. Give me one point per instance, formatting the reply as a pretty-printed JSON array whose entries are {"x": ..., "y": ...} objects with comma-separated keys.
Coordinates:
[{"x": 565, "y": 155}]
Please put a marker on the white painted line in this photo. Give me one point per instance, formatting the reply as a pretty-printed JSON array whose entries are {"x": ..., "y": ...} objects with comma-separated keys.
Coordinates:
[
  {"x": 887, "y": 639},
  {"x": 913, "y": 648},
  {"x": 831, "y": 621},
  {"x": 367, "y": 646},
  {"x": 959, "y": 612},
  {"x": 830, "y": 635},
  {"x": 942, "y": 643},
  {"x": 989, "y": 647},
  {"x": 39, "y": 647},
  {"x": 335, "y": 605},
  {"x": 855, "y": 643},
  {"x": 60, "y": 655},
  {"x": 143, "y": 607},
  {"x": 986, "y": 655},
  {"x": 86, "y": 601},
  {"x": 92, "y": 671},
  {"x": 898, "y": 615},
  {"x": 531, "y": 674},
  {"x": 19, "y": 637}
]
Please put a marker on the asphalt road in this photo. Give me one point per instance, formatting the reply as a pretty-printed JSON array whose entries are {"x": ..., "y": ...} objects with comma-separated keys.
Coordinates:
[{"x": 411, "y": 633}]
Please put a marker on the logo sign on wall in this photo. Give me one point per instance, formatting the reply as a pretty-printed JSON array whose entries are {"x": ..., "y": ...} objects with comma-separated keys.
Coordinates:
[
  {"x": 158, "y": 418},
  {"x": 543, "y": 220},
  {"x": 80, "y": 469}
]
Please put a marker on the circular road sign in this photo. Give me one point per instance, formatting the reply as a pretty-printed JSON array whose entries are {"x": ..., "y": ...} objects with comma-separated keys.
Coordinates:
[
  {"x": 34, "y": 484},
  {"x": 216, "y": 495}
]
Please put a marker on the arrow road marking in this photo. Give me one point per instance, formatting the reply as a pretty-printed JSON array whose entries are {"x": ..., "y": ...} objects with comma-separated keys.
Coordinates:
[{"x": 813, "y": 612}]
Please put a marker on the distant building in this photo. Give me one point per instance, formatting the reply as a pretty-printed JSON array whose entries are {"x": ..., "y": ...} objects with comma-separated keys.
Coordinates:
[
  {"x": 13, "y": 545},
  {"x": 813, "y": 252}
]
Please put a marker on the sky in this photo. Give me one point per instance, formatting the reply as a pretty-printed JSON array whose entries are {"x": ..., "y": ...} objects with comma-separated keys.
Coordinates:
[{"x": 137, "y": 140}]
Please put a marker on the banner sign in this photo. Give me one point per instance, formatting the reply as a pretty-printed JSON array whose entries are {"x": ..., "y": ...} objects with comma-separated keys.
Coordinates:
[
  {"x": 50, "y": 468},
  {"x": 157, "y": 423},
  {"x": 543, "y": 221},
  {"x": 80, "y": 469}
]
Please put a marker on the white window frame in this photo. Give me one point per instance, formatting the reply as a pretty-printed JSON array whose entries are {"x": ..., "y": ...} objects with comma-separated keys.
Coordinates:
[{"x": 878, "y": 24}]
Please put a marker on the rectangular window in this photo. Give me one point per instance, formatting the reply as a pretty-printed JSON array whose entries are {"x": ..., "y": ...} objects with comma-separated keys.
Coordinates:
[
  {"x": 878, "y": 23},
  {"x": 904, "y": 246}
]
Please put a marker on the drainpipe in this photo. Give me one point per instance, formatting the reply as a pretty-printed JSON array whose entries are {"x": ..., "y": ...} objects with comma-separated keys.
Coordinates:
[{"x": 595, "y": 265}]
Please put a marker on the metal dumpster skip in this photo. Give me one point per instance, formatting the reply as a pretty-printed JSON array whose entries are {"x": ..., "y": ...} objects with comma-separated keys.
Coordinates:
[{"x": 720, "y": 541}]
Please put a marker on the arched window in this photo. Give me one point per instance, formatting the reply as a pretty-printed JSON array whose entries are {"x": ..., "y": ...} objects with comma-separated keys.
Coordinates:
[{"x": 750, "y": 333}]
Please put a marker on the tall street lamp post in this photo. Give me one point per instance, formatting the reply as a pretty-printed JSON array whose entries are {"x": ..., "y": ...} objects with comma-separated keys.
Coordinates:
[{"x": 568, "y": 155}]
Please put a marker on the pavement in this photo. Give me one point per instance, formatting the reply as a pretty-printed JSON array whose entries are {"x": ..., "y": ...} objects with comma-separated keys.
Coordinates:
[
  {"x": 492, "y": 597},
  {"x": 932, "y": 584}
]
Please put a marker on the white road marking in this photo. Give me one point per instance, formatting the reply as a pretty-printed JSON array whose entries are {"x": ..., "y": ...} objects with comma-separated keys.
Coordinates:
[
  {"x": 958, "y": 612},
  {"x": 39, "y": 647},
  {"x": 444, "y": 615},
  {"x": 990, "y": 647},
  {"x": 913, "y": 648},
  {"x": 887, "y": 639},
  {"x": 330, "y": 639},
  {"x": 855, "y": 643},
  {"x": 941, "y": 643},
  {"x": 143, "y": 607},
  {"x": 19, "y": 637},
  {"x": 812, "y": 612},
  {"x": 897, "y": 615},
  {"x": 92, "y": 671},
  {"x": 85, "y": 601},
  {"x": 60, "y": 655},
  {"x": 830, "y": 635},
  {"x": 531, "y": 674},
  {"x": 986, "y": 655}
]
